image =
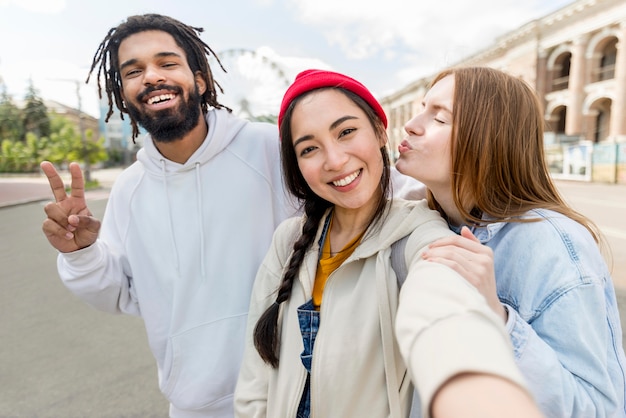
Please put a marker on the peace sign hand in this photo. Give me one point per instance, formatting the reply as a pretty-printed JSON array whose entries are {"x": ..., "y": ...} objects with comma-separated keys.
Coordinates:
[{"x": 70, "y": 225}]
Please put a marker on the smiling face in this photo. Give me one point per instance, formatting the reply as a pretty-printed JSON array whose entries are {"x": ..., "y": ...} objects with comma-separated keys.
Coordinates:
[
  {"x": 337, "y": 150},
  {"x": 425, "y": 153},
  {"x": 159, "y": 89}
]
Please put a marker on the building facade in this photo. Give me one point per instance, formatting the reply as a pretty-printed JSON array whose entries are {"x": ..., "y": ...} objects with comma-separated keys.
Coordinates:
[
  {"x": 117, "y": 134},
  {"x": 575, "y": 58}
]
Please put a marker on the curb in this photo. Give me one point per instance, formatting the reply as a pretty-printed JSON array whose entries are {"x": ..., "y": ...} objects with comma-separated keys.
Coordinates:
[{"x": 23, "y": 201}]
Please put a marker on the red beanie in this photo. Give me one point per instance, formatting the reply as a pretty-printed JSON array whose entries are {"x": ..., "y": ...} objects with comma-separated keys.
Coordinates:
[{"x": 313, "y": 79}]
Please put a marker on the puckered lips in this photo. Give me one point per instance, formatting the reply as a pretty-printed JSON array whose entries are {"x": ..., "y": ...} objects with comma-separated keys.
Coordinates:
[{"x": 404, "y": 146}]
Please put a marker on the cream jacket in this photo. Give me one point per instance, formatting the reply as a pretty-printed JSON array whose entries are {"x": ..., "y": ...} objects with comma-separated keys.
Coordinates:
[{"x": 358, "y": 369}]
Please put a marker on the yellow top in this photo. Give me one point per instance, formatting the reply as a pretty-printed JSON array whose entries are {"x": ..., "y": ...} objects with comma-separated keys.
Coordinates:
[{"x": 328, "y": 263}]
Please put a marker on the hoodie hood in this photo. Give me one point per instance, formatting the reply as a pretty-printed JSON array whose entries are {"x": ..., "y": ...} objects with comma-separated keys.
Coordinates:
[
  {"x": 401, "y": 219},
  {"x": 223, "y": 128}
]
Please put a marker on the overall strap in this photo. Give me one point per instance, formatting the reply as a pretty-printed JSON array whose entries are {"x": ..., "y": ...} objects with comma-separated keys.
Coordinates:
[{"x": 324, "y": 233}]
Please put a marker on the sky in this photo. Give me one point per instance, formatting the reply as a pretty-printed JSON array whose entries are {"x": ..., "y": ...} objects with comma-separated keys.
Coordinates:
[{"x": 263, "y": 43}]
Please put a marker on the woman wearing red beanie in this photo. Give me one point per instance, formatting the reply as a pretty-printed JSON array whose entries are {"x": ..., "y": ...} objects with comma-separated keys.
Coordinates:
[{"x": 320, "y": 339}]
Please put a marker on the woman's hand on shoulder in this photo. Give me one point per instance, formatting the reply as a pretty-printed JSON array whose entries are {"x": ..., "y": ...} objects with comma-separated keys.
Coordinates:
[{"x": 472, "y": 260}]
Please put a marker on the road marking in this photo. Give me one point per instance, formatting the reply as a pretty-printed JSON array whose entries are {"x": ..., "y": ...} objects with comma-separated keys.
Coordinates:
[
  {"x": 598, "y": 202},
  {"x": 97, "y": 194}
]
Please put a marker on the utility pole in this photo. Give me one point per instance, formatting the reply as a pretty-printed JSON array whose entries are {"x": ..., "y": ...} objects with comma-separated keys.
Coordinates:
[
  {"x": 83, "y": 138},
  {"x": 81, "y": 127}
]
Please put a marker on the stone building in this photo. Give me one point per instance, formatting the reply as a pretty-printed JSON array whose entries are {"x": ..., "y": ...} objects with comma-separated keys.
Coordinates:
[
  {"x": 575, "y": 58},
  {"x": 80, "y": 120},
  {"x": 76, "y": 117}
]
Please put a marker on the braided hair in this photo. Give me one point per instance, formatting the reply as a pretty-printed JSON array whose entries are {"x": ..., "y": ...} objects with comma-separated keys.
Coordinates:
[
  {"x": 187, "y": 37},
  {"x": 266, "y": 338}
]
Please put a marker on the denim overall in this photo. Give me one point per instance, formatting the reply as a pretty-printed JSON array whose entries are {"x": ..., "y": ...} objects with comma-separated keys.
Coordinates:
[{"x": 309, "y": 320}]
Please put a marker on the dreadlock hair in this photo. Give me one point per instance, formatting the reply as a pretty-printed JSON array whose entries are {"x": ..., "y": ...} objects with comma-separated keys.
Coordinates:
[
  {"x": 187, "y": 37},
  {"x": 266, "y": 338}
]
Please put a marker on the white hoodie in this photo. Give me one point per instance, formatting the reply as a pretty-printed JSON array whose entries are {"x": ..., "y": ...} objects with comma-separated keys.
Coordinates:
[{"x": 180, "y": 245}]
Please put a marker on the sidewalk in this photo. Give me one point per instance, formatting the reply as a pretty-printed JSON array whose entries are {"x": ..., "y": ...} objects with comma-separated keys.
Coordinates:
[{"x": 20, "y": 189}]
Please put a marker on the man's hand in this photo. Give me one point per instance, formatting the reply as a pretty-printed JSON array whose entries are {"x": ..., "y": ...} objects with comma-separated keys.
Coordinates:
[{"x": 70, "y": 225}]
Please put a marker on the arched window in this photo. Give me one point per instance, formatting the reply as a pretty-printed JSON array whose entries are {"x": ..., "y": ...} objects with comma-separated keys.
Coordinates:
[
  {"x": 606, "y": 67},
  {"x": 560, "y": 79},
  {"x": 602, "y": 107},
  {"x": 560, "y": 124},
  {"x": 600, "y": 131}
]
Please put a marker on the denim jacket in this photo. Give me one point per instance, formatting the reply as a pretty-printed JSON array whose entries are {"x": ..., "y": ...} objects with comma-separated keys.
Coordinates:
[{"x": 563, "y": 317}]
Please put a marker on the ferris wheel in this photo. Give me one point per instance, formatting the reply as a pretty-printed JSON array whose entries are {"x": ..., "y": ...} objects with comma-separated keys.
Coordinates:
[{"x": 253, "y": 84}]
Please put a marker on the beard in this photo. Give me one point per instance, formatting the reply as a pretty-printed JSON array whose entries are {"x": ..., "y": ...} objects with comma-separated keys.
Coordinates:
[{"x": 168, "y": 125}]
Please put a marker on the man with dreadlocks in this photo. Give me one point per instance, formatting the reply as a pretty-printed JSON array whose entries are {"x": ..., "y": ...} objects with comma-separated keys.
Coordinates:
[{"x": 187, "y": 225}]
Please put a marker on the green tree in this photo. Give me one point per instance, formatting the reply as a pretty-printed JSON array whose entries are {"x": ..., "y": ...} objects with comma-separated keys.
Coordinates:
[
  {"x": 12, "y": 155},
  {"x": 62, "y": 146},
  {"x": 266, "y": 118},
  {"x": 35, "y": 114},
  {"x": 95, "y": 150},
  {"x": 66, "y": 145},
  {"x": 10, "y": 117}
]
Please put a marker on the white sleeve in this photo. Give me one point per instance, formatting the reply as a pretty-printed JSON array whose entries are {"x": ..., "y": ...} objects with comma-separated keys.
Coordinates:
[
  {"x": 89, "y": 274},
  {"x": 444, "y": 328},
  {"x": 406, "y": 187}
]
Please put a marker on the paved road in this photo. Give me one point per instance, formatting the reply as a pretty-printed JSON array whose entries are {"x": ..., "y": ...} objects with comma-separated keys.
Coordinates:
[
  {"x": 20, "y": 189},
  {"x": 60, "y": 358},
  {"x": 605, "y": 204}
]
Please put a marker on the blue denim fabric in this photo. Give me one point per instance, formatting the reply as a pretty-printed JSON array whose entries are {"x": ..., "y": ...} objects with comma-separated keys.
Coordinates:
[
  {"x": 563, "y": 318},
  {"x": 309, "y": 320},
  {"x": 304, "y": 409}
]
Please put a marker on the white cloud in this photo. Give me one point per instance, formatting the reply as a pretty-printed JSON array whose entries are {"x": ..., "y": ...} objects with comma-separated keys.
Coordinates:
[
  {"x": 416, "y": 24},
  {"x": 38, "y": 6},
  {"x": 264, "y": 3},
  {"x": 434, "y": 33}
]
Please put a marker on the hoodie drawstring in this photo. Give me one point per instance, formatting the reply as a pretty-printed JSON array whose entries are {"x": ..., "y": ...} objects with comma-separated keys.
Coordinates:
[
  {"x": 200, "y": 212},
  {"x": 200, "y": 219},
  {"x": 169, "y": 215}
]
